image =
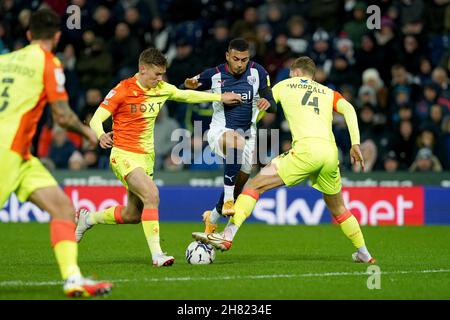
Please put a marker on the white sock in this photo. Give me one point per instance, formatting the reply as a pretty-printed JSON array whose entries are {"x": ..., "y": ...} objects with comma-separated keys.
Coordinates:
[
  {"x": 229, "y": 193},
  {"x": 214, "y": 217},
  {"x": 230, "y": 231}
]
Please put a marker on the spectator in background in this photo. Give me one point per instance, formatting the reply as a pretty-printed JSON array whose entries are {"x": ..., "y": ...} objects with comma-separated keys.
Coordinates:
[
  {"x": 427, "y": 138},
  {"x": 69, "y": 61},
  {"x": 61, "y": 148},
  {"x": 103, "y": 25},
  {"x": 92, "y": 101},
  {"x": 185, "y": 63},
  {"x": 372, "y": 79},
  {"x": 342, "y": 73},
  {"x": 356, "y": 27},
  {"x": 324, "y": 14},
  {"x": 426, "y": 161},
  {"x": 214, "y": 49},
  {"x": 431, "y": 93},
  {"x": 436, "y": 116},
  {"x": 411, "y": 54},
  {"x": 411, "y": 16},
  {"x": 136, "y": 24},
  {"x": 21, "y": 28},
  {"x": 276, "y": 57},
  {"x": 125, "y": 49},
  {"x": 367, "y": 95},
  {"x": 404, "y": 144},
  {"x": 387, "y": 42},
  {"x": 297, "y": 38},
  {"x": 320, "y": 51},
  {"x": 95, "y": 65},
  {"x": 275, "y": 18},
  {"x": 368, "y": 55},
  {"x": 425, "y": 68},
  {"x": 344, "y": 46},
  {"x": 246, "y": 24},
  {"x": 390, "y": 162},
  {"x": 76, "y": 161},
  {"x": 439, "y": 76}
]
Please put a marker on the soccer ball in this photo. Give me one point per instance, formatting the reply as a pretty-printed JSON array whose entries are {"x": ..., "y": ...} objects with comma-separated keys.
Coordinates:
[{"x": 200, "y": 253}]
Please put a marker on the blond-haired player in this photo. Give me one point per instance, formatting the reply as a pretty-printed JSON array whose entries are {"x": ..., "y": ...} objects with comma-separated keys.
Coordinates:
[
  {"x": 308, "y": 107},
  {"x": 134, "y": 104}
]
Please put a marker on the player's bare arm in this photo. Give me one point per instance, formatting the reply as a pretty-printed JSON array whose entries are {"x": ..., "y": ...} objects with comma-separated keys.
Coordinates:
[
  {"x": 66, "y": 118},
  {"x": 231, "y": 98}
]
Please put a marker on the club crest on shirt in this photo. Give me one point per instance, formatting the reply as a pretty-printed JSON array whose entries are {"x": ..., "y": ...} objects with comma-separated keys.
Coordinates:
[{"x": 251, "y": 80}]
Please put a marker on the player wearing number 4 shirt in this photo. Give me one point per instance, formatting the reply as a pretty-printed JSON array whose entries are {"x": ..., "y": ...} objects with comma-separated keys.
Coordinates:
[
  {"x": 30, "y": 78},
  {"x": 308, "y": 107}
]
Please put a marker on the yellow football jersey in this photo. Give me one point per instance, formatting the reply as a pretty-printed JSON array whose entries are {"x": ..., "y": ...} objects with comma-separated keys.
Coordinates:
[
  {"x": 29, "y": 78},
  {"x": 308, "y": 107}
]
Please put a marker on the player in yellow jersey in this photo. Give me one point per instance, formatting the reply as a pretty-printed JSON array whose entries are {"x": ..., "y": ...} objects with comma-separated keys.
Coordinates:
[
  {"x": 308, "y": 107},
  {"x": 134, "y": 105},
  {"x": 29, "y": 78}
]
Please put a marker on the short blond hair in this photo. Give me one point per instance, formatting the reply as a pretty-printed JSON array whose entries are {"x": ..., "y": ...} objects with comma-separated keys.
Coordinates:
[
  {"x": 152, "y": 56},
  {"x": 305, "y": 64}
]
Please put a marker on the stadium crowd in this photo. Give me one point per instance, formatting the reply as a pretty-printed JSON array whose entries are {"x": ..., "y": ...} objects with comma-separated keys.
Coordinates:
[{"x": 396, "y": 76}]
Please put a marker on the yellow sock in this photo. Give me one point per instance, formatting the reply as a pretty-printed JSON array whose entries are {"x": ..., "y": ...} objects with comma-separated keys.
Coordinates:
[
  {"x": 62, "y": 234},
  {"x": 66, "y": 253},
  {"x": 244, "y": 206},
  {"x": 112, "y": 215},
  {"x": 150, "y": 224},
  {"x": 350, "y": 227}
]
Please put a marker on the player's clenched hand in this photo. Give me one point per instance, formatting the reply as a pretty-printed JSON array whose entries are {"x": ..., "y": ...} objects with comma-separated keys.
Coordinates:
[
  {"x": 263, "y": 104},
  {"x": 106, "y": 140},
  {"x": 192, "y": 83},
  {"x": 231, "y": 98},
  {"x": 356, "y": 155}
]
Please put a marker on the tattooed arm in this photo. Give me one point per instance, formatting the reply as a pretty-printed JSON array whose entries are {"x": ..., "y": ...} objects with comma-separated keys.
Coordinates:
[{"x": 66, "y": 118}]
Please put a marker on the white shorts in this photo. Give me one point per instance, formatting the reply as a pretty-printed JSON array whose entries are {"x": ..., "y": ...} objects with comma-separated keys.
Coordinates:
[{"x": 249, "y": 154}]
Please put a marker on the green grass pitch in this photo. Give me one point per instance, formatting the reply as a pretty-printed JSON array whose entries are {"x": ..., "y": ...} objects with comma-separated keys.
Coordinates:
[{"x": 266, "y": 262}]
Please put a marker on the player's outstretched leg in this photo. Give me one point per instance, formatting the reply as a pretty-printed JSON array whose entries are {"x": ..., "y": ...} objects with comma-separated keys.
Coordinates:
[
  {"x": 85, "y": 220},
  {"x": 267, "y": 179},
  {"x": 62, "y": 234},
  {"x": 349, "y": 226}
]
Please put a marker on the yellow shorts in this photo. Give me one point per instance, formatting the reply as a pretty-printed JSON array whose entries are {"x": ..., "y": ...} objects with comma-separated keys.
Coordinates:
[
  {"x": 123, "y": 162},
  {"x": 316, "y": 160},
  {"x": 21, "y": 176}
]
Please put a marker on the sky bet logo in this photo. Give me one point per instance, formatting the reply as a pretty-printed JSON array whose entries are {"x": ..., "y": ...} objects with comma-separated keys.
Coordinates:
[{"x": 146, "y": 107}]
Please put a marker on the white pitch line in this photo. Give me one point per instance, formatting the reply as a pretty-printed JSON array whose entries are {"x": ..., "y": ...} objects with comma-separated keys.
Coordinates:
[{"x": 22, "y": 283}]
